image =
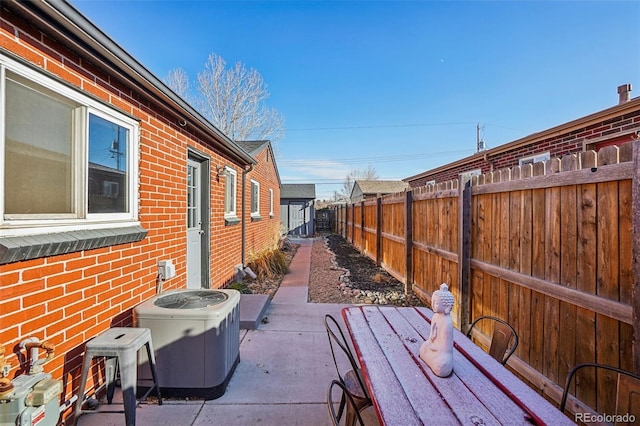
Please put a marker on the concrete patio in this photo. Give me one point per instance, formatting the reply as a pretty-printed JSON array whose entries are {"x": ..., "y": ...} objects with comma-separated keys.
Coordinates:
[{"x": 282, "y": 378}]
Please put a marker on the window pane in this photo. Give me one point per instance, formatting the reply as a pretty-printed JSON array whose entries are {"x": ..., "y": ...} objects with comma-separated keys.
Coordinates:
[
  {"x": 229, "y": 194},
  {"x": 192, "y": 197},
  {"x": 108, "y": 144},
  {"x": 38, "y": 152},
  {"x": 254, "y": 197}
]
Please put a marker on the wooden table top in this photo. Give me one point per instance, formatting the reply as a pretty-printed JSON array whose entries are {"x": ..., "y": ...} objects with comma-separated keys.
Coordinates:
[{"x": 405, "y": 391}]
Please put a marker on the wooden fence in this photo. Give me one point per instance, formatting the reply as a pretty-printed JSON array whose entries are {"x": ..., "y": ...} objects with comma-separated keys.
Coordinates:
[{"x": 549, "y": 247}]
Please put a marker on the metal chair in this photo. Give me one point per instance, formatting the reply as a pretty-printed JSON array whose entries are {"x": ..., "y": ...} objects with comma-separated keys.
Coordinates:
[
  {"x": 352, "y": 379},
  {"x": 365, "y": 416},
  {"x": 627, "y": 389},
  {"x": 503, "y": 333}
]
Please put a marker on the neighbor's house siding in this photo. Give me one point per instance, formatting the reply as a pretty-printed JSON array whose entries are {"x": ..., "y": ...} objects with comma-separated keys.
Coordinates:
[
  {"x": 262, "y": 234},
  {"x": 297, "y": 209},
  {"x": 69, "y": 299},
  {"x": 615, "y": 125}
]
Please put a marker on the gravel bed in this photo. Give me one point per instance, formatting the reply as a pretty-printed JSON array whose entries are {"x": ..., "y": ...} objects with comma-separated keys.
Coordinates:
[{"x": 340, "y": 274}]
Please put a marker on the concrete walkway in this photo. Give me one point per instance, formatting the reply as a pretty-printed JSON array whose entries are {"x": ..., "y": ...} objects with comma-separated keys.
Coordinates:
[{"x": 284, "y": 371}]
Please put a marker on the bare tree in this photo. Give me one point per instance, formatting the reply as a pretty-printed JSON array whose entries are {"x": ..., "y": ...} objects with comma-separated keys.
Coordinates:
[
  {"x": 233, "y": 99},
  {"x": 369, "y": 173},
  {"x": 178, "y": 81}
]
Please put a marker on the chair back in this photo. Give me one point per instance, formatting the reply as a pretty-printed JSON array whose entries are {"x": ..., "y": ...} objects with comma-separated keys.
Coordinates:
[
  {"x": 621, "y": 387},
  {"x": 335, "y": 417},
  {"x": 503, "y": 335},
  {"x": 337, "y": 338}
]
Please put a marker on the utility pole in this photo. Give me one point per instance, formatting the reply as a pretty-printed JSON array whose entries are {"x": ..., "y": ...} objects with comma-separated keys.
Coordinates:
[
  {"x": 480, "y": 146},
  {"x": 115, "y": 149}
]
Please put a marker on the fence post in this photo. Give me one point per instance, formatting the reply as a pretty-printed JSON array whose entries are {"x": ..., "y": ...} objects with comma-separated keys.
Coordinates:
[
  {"x": 353, "y": 224},
  {"x": 362, "y": 239},
  {"x": 464, "y": 252},
  {"x": 378, "y": 231},
  {"x": 408, "y": 239},
  {"x": 345, "y": 210},
  {"x": 635, "y": 206}
]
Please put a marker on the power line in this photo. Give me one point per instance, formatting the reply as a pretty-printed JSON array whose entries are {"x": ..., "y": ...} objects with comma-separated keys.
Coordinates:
[
  {"x": 379, "y": 126},
  {"x": 383, "y": 159}
]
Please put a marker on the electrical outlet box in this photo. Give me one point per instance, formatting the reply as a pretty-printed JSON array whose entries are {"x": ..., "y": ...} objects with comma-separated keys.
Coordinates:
[{"x": 166, "y": 269}]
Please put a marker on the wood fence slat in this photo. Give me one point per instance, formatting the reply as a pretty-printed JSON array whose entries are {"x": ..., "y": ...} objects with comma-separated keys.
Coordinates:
[
  {"x": 514, "y": 250},
  {"x": 635, "y": 207},
  {"x": 536, "y": 347},
  {"x": 496, "y": 229},
  {"x": 568, "y": 271},
  {"x": 552, "y": 274},
  {"x": 607, "y": 333},
  {"x": 625, "y": 238},
  {"x": 488, "y": 236},
  {"x": 463, "y": 243},
  {"x": 526, "y": 255},
  {"x": 586, "y": 277},
  {"x": 504, "y": 241},
  {"x": 477, "y": 284}
]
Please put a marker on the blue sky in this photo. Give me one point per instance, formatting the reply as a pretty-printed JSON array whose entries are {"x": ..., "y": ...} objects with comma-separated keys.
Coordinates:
[{"x": 396, "y": 85}]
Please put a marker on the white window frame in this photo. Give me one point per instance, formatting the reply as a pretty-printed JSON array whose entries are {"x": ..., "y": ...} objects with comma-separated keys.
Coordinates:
[
  {"x": 256, "y": 212},
  {"x": 30, "y": 225},
  {"x": 270, "y": 202},
  {"x": 230, "y": 179},
  {"x": 542, "y": 156}
]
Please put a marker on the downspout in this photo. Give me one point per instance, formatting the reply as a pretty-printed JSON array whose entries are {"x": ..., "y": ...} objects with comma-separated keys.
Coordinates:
[{"x": 244, "y": 219}]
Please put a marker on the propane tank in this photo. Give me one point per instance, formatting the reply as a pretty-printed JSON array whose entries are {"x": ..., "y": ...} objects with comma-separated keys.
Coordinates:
[{"x": 33, "y": 398}]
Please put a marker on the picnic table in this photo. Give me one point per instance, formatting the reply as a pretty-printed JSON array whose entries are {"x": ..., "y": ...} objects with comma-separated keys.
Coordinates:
[{"x": 405, "y": 391}]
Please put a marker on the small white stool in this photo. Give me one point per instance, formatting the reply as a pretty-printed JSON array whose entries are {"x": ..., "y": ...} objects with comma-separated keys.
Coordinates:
[{"x": 122, "y": 343}]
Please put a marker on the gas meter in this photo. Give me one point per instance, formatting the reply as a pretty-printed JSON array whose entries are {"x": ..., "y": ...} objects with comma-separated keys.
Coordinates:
[{"x": 31, "y": 399}]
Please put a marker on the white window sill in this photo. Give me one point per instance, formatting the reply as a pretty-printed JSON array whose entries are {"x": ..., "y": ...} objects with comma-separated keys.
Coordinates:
[
  {"x": 231, "y": 220},
  {"x": 15, "y": 248}
]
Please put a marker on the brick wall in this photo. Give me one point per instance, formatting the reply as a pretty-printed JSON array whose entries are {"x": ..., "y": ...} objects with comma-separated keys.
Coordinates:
[
  {"x": 262, "y": 234},
  {"x": 68, "y": 299}
]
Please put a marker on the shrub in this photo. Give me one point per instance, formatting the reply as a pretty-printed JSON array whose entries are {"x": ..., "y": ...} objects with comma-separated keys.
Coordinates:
[
  {"x": 269, "y": 264},
  {"x": 241, "y": 287}
]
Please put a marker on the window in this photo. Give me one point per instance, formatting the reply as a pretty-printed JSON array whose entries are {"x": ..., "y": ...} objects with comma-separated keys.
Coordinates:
[
  {"x": 230, "y": 192},
  {"x": 543, "y": 156},
  {"x": 68, "y": 158},
  {"x": 467, "y": 175},
  {"x": 255, "y": 199},
  {"x": 271, "y": 202}
]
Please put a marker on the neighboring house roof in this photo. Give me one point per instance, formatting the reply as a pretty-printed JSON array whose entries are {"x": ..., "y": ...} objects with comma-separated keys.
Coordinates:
[
  {"x": 256, "y": 147},
  {"x": 374, "y": 187},
  {"x": 298, "y": 190},
  {"x": 253, "y": 147},
  {"x": 616, "y": 111},
  {"x": 115, "y": 60}
]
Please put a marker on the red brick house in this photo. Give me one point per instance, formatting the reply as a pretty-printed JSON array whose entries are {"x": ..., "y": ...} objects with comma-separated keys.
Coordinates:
[
  {"x": 612, "y": 126},
  {"x": 106, "y": 172},
  {"x": 263, "y": 201}
]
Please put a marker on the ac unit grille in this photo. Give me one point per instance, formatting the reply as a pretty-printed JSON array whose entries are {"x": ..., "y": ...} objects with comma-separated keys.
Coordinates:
[{"x": 191, "y": 299}]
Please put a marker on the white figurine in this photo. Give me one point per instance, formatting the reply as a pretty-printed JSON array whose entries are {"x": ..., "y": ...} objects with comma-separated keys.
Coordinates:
[{"x": 437, "y": 350}]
